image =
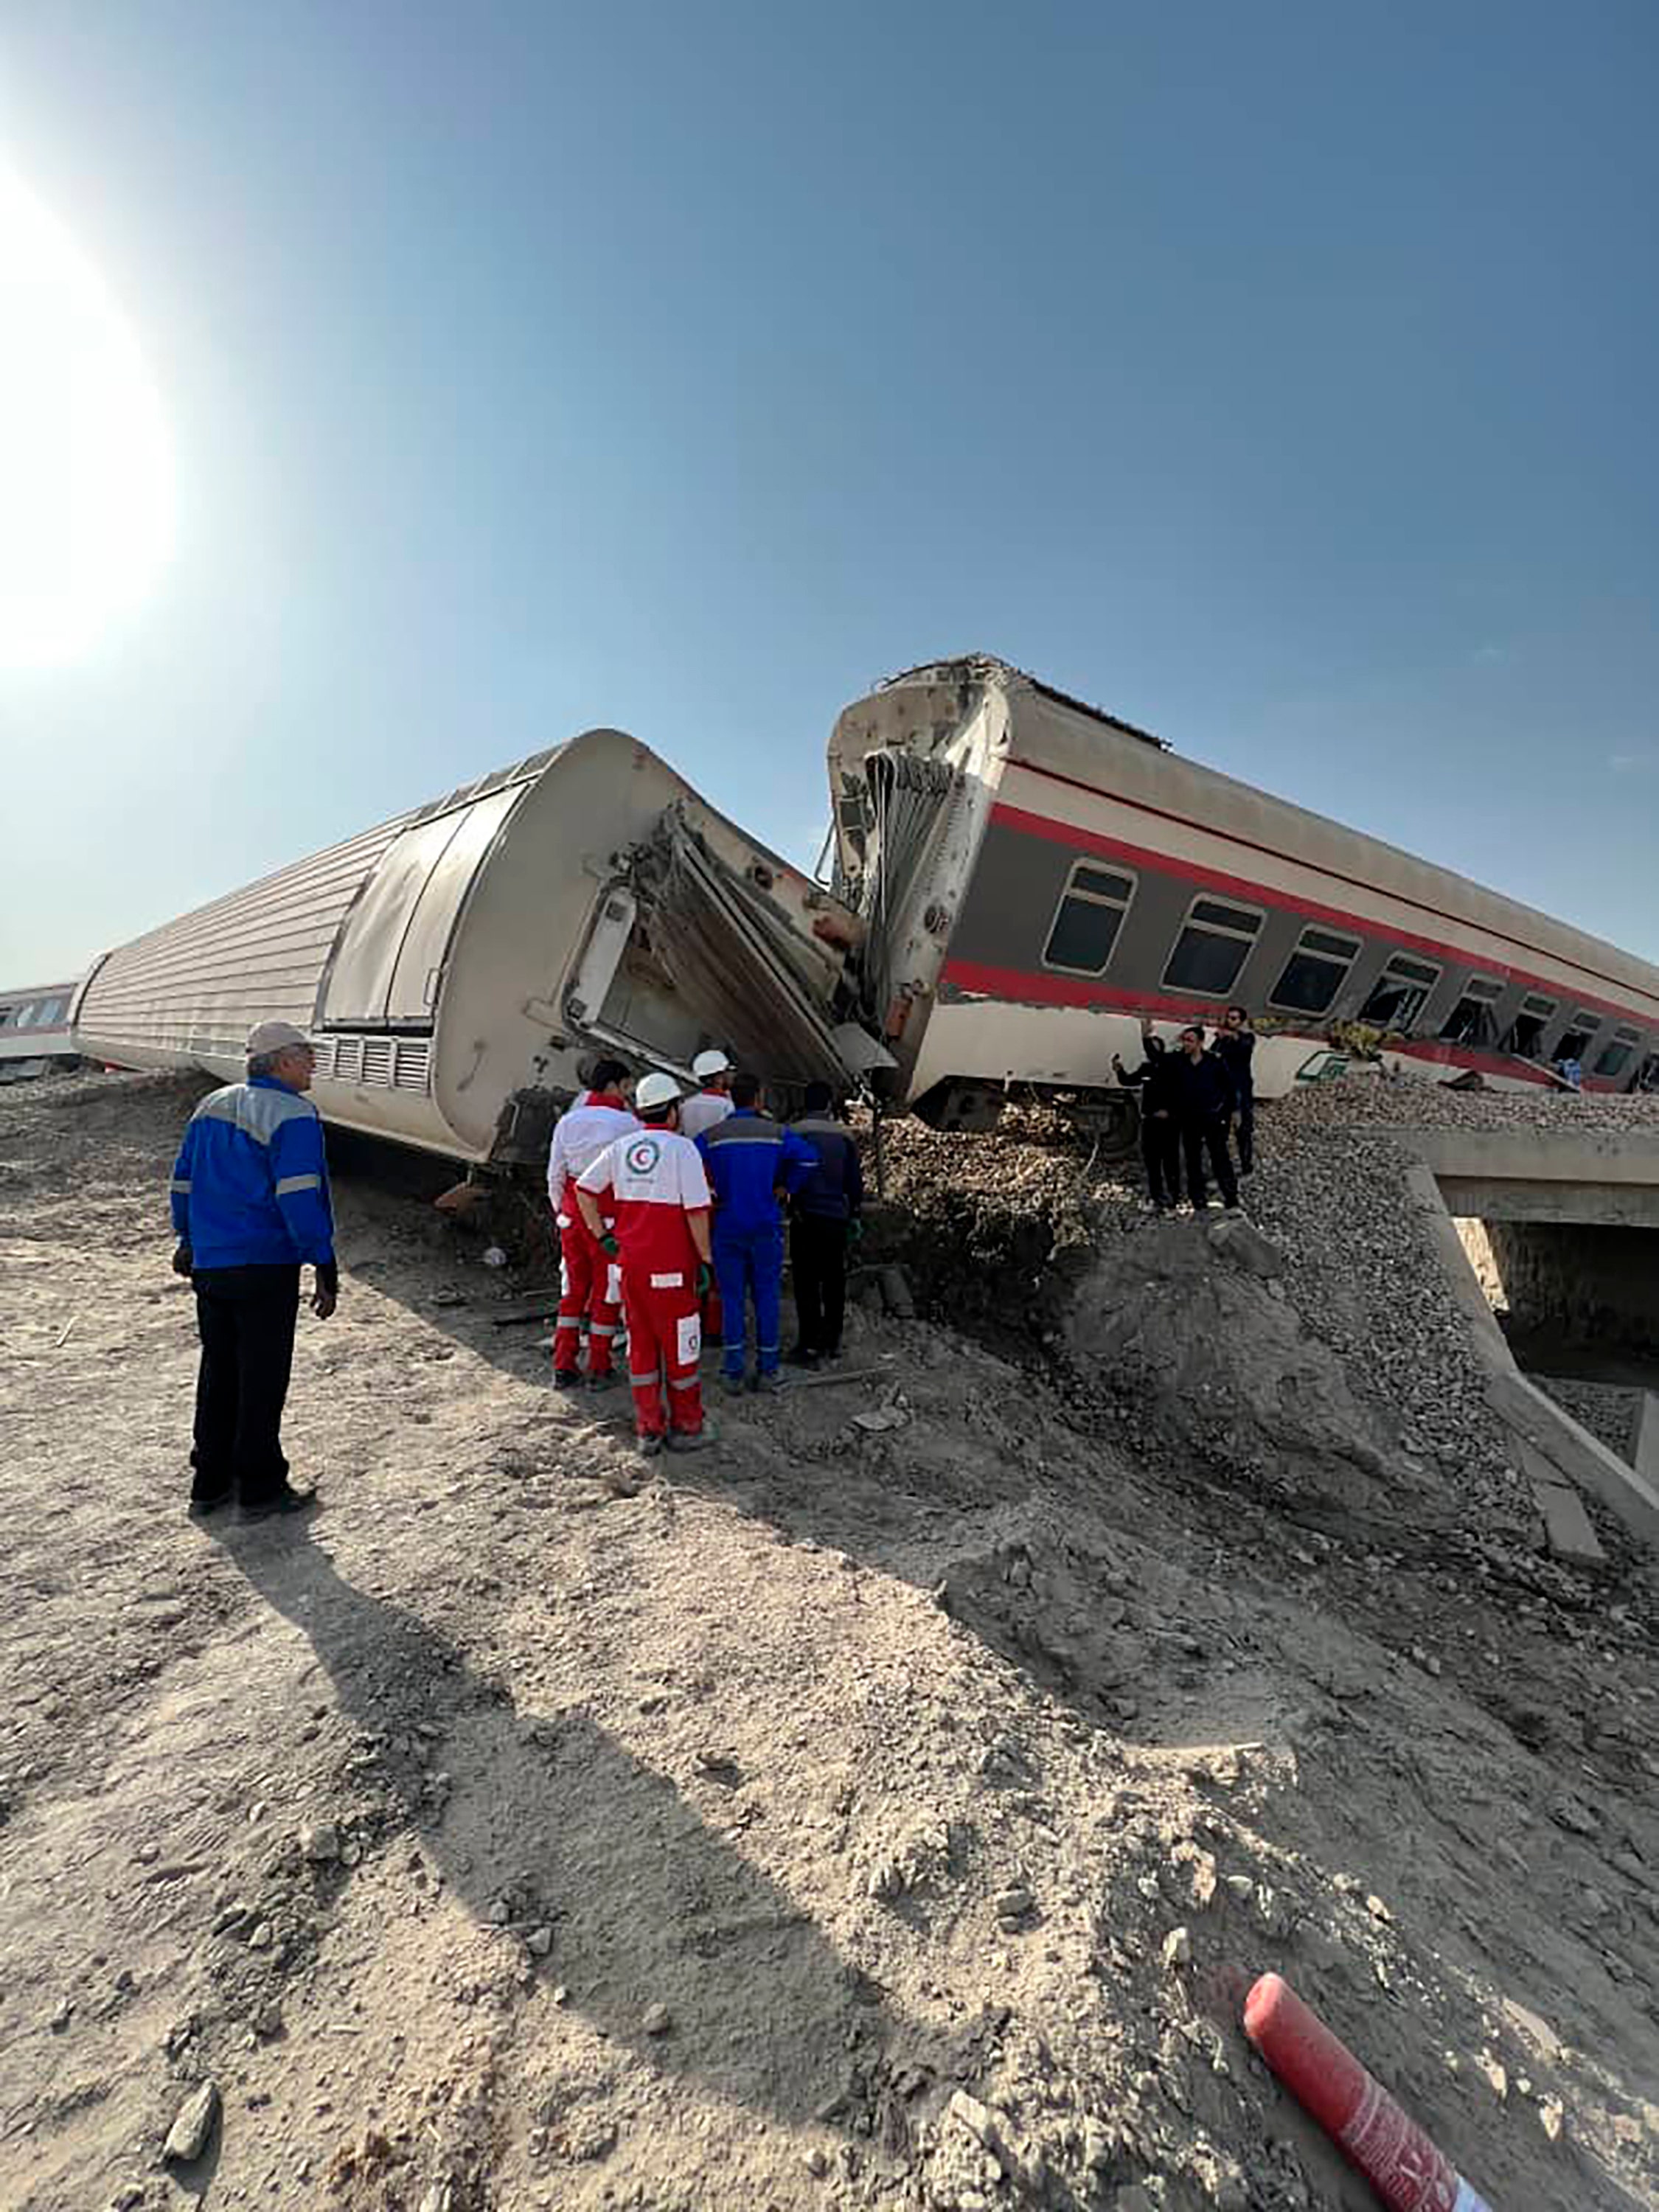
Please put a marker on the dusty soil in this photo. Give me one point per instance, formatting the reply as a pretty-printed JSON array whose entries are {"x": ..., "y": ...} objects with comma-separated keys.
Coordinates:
[{"x": 885, "y": 1761}]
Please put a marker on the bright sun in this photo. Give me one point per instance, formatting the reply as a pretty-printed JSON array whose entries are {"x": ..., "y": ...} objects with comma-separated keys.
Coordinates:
[{"x": 86, "y": 472}]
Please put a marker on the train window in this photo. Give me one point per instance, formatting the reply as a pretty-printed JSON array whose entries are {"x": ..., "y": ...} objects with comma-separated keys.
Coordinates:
[
  {"x": 1087, "y": 920},
  {"x": 1313, "y": 974},
  {"x": 1400, "y": 993},
  {"x": 1525, "y": 1034},
  {"x": 1615, "y": 1056},
  {"x": 1214, "y": 944},
  {"x": 1471, "y": 1021},
  {"x": 1580, "y": 1031}
]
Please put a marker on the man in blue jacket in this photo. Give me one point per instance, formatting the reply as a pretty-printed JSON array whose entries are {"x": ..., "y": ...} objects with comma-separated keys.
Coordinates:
[
  {"x": 753, "y": 1165},
  {"x": 250, "y": 1207},
  {"x": 823, "y": 1221}
]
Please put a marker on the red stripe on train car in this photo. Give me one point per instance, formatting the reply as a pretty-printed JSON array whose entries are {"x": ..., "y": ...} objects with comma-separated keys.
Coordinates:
[
  {"x": 1024, "y": 987},
  {"x": 1277, "y": 853},
  {"x": 1240, "y": 887}
]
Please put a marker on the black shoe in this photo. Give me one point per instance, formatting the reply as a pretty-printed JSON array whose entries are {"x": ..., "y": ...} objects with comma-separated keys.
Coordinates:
[
  {"x": 283, "y": 1501},
  {"x": 690, "y": 1440},
  {"x": 201, "y": 1507},
  {"x": 650, "y": 1445},
  {"x": 801, "y": 1355},
  {"x": 605, "y": 1382},
  {"x": 566, "y": 1378}
]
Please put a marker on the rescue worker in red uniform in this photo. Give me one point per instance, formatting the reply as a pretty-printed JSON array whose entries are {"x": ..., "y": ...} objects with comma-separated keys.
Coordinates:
[
  {"x": 589, "y": 1288},
  {"x": 653, "y": 1185},
  {"x": 706, "y": 1106}
]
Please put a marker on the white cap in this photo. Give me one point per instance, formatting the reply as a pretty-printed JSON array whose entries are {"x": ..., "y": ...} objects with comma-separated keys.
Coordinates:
[
  {"x": 275, "y": 1036},
  {"x": 712, "y": 1063},
  {"x": 656, "y": 1090}
]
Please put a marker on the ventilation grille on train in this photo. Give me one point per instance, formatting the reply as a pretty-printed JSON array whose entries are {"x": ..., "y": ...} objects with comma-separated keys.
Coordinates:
[{"x": 376, "y": 1063}]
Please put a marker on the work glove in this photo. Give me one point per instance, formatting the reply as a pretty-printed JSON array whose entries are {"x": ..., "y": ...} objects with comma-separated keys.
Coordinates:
[
  {"x": 184, "y": 1259},
  {"x": 705, "y": 1280},
  {"x": 854, "y": 1231},
  {"x": 325, "y": 1288},
  {"x": 608, "y": 1243}
]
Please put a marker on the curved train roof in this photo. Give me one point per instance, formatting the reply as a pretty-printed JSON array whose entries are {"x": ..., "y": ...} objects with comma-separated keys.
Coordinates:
[{"x": 1064, "y": 737}]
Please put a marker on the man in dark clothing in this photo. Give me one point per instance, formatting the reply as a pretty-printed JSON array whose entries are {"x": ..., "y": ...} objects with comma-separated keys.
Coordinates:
[
  {"x": 1205, "y": 1093},
  {"x": 249, "y": 1206},
  {"x": 1158, "y": 1081},
  {"x": 1235, "y": 1047},
  {"x": 823, "y": 1221}
]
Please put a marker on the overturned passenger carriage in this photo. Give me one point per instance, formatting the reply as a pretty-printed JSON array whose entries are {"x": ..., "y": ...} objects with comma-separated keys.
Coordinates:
[
  {"x": 459, "y": 965},
  {"x": 1034, "y": 876}
]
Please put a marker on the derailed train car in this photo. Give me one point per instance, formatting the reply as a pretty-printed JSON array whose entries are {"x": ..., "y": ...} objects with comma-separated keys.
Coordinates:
[
  {"x": 1034, "y": 876},
  {"x": 459, "y": 965}
]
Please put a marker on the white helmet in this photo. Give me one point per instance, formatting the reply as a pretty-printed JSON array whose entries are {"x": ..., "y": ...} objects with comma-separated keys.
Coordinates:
[
  {"x": 655, "y": 1090},
  {"x": 710, "y": 1063}
]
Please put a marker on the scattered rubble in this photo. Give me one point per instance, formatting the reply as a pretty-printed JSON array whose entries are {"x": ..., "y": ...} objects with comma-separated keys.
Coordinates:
[{"x": 907, "y": 1809}]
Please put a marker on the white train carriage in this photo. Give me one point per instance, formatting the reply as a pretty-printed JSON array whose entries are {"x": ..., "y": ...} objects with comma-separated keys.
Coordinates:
[
  {"x": 34, "y": 1029},
  {"x": 1034, "y": 876},
  {"x": 459, "y": 966}
]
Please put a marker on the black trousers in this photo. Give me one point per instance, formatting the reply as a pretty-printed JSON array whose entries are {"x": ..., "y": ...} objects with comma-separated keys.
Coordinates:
[
  {"x": 818, "y": 1254},
  {"x": 1245, "y": 1135},
  {"x": 1209, "y": 1135},
  {"x": 1160, "y": 1151},
  {"x": 246, "y": 1318}
]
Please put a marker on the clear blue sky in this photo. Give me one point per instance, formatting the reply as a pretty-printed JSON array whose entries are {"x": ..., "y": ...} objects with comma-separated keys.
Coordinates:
[{"x": 1283, "y": 377}]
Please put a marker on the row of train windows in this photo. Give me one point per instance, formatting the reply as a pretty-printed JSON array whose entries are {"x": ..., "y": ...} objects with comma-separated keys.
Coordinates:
[
  {"x": 1217, "y": 938},
  {"x": 33, "y": 1014}
]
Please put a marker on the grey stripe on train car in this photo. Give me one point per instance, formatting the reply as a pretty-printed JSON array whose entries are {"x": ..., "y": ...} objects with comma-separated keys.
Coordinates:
[
  {"x": 1015, "y": 897},
  {"x": 258, "y": 1113}
]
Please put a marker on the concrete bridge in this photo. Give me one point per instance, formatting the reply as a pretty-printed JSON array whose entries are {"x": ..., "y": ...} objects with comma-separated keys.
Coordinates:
[{"x": 1568, "y": 1223}]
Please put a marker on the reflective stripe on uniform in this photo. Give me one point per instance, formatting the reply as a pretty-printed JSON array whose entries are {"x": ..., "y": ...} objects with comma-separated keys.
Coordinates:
[
  {"x": 181, "y": 1183},
  {"x": 286, "y": 1183},
  {"x": 644, "y": 1382},
  {"x": 668, "y": 1282},
  {"x": 257, "y": 1113},
  {"x": 602, "y": 1328},
  {"x": 683, "y": 1382}
]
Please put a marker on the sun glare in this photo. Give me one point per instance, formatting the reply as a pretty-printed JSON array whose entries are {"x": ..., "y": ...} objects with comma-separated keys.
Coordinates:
[{"x": 86, "y": 476}]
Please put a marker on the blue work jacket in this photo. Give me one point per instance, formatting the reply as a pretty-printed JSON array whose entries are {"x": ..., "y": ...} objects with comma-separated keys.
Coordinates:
[
  {"x": 752, "y": 1161},
  {"x": 250, "y": 1185}
]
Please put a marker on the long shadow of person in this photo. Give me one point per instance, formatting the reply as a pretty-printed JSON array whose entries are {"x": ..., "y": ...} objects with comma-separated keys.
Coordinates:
[{"x": 550, "y": 1817}]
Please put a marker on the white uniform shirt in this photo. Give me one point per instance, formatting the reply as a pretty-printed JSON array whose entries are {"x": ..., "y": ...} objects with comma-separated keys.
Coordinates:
[
  {"x": 650, "y": 1182},
  {"x": 582, "y": 1133},
  {"x": 701, "y": 1110}
]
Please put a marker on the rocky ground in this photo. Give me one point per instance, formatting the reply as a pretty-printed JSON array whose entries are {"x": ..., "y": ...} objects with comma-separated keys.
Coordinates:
[{"x": 889, "y": 1807}]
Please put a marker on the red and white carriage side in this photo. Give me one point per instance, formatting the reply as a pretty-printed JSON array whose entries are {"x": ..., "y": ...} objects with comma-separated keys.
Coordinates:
[{"x": 1036, "y": 875}]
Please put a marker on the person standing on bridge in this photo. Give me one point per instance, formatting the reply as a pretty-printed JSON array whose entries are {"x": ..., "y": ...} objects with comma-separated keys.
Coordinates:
[
  {"x": 1234, "y": 1047},
  {"x": 1158, "y": 1081},
  {"x": 250, "y": 1207},
  {"x": 1206, "y": 1094},
  {"x": 590, "y": 1288}
]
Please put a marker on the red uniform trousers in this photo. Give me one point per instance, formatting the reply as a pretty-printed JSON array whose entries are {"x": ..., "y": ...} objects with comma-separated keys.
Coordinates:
[
  {"x": 665, "y": 1342},
  {"x": 583, "y": 1299}
]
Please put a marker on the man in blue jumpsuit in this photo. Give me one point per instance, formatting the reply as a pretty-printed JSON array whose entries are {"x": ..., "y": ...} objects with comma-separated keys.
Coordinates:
[
  {"x": 754, "y": 1162},
  {"x": 250, "y": 1207}
]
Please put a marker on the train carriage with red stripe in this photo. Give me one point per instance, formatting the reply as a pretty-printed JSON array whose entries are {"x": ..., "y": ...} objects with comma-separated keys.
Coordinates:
[{"x": 1035, "y": 876}]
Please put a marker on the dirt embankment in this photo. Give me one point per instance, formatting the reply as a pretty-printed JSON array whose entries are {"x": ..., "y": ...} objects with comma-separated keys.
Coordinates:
[{"x": 862, "y": 1814}]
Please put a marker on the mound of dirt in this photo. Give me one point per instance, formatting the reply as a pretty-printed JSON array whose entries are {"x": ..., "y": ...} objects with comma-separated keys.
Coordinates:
[{"x": 1188, "y": 1322}]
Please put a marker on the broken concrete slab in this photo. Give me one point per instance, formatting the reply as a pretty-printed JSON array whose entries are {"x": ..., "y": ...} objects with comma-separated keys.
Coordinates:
[{"x": 1566, "y": 1525}]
